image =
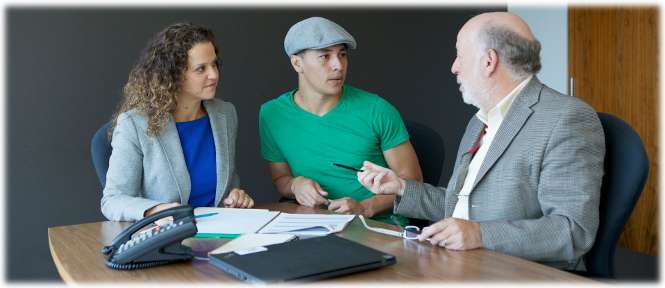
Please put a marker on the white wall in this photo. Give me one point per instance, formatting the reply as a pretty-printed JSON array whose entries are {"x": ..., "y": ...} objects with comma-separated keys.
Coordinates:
[{"x": 549, "y": 24}]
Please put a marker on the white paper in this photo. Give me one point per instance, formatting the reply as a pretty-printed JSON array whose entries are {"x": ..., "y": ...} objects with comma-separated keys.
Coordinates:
[
  {"x": 232, "y": 221},
  {"x": 252, "y": 240},
  {"x": 251, "y": 250},
  {"x": 307, "y": 224}
]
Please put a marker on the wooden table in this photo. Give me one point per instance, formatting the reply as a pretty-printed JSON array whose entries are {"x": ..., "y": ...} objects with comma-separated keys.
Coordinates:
[{"x": 76, "y": 251}]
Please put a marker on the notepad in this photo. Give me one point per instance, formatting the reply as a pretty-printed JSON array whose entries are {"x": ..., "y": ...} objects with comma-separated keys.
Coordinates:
[{"x": 253, "y": 240}]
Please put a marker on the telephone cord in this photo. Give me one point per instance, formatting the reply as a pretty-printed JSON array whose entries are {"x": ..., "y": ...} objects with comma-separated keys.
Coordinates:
[{"x": 132, "y": 266}]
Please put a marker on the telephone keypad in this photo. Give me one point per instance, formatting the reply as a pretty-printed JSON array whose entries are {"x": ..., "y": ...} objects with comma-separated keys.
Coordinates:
[
  {"x": 157, "y": 246},
  {"x": 148, "y": 234}
]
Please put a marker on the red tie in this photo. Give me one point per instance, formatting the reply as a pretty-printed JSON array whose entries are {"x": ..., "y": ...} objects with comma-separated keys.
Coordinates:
[{"x": 475, "y": 148}]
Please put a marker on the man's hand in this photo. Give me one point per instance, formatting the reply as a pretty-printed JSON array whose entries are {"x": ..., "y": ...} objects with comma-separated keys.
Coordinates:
[
  {"x": 308, "y": 192},
  {"x": 238, "y": 199},
  {"x": 381, "y": 180},
  {"x": 349, "y": 206},
  {"x": 458, "y": 234},
  {"x": 161, "y": 207}
]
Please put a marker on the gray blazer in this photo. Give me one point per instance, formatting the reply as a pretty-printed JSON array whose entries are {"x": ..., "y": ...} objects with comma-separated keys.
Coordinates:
[
  {"x": 537, "y": 193},
  {"x": 145, "y": 172}
]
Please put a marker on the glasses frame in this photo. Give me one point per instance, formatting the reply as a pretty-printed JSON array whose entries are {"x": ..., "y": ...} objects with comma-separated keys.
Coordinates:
[{"x": 390, "y": 232}]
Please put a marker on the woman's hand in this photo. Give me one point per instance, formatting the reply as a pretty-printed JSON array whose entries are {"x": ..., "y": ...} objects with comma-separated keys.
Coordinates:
[
  {"x": 238, "y": 199},
  {"x": 161, "y": 207}
]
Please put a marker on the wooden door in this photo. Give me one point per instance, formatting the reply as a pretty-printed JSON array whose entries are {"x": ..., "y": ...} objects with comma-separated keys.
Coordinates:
[{"x": 613, "y": 58}]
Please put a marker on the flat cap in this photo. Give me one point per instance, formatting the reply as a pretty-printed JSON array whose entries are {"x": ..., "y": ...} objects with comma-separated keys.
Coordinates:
[{"x": 316, "y": 33}]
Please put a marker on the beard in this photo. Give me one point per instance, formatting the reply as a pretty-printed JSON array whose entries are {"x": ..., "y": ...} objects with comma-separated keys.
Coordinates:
[{"x": 477, "y": 91}]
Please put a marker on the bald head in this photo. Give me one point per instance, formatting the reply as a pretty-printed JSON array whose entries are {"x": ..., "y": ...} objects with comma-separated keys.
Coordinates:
[
  {"x": 509, "y": 36},
  {"x": 505, "y": 19}
]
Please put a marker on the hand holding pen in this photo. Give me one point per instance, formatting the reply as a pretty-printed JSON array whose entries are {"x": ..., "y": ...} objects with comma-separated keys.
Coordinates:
[
  {"x": 380, "y": 180},
  {"x": 309, "y": 193}
]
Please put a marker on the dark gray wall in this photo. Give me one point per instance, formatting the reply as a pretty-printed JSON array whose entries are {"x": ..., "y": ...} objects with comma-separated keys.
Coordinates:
[{"x": 66, "y": 69}]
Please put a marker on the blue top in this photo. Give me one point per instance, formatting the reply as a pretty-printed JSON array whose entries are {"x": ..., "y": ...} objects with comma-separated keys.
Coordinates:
[{"x": 198, "y": 146}]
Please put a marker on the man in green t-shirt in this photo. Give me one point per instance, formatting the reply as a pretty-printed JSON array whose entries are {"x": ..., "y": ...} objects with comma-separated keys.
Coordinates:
[{"x": 324, "y": 121}]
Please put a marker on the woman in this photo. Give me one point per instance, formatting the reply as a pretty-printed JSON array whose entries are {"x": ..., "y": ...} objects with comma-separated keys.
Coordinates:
[{"x": 173, "y": 142}]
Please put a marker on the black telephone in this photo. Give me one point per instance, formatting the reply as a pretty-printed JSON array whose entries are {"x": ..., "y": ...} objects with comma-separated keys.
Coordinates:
[{"x": 158, "y": 246}]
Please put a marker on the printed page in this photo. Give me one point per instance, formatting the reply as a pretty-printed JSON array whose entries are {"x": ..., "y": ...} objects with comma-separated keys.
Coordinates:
[{"x": 307, "y": 224}]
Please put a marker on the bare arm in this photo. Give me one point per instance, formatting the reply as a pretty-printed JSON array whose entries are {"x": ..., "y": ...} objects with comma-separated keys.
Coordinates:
[
  {"x": 282, "y": 176},
  {"x": 403, "y": 160}
]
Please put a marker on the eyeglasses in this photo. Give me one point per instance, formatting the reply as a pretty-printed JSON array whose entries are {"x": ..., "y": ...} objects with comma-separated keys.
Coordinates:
[{"x": 410, "y": 232}]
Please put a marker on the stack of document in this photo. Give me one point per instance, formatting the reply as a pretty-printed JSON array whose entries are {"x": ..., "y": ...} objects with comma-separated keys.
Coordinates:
[{"x": 230, "y": 222}]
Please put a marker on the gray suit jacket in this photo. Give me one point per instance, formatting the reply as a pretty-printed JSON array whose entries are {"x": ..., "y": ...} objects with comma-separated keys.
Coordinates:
[
  {"x": 537, "y": 193},
  {"x": 145, "y": 172}
]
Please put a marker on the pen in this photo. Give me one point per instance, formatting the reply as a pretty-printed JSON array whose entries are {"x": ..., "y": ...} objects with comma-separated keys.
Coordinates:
[
  {"x": 348, "y": 167},
  {"x": 205, "y": 215}
]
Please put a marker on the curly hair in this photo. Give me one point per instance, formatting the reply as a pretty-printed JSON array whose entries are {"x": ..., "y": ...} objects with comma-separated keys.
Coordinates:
[
  {"x": 521, "y": 55},
  {"x": 156, "y": 79}
]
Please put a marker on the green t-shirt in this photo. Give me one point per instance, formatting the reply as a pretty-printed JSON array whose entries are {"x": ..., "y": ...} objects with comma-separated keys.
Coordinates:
[{"x": 359, "y": 128}]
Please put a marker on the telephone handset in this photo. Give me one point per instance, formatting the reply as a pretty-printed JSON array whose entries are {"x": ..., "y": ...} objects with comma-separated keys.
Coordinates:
[{"x": 158, "y": 246}]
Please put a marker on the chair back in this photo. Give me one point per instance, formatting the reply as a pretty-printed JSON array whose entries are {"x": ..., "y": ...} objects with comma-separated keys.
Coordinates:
[
  {"x": 429, "y": 148},
  {"x": 101, "y": 152},
  {"x": 626, "y": 171}
]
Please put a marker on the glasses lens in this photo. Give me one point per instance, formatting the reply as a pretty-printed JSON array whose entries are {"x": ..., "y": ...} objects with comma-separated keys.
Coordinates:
[{"x": 411, "y": 232}]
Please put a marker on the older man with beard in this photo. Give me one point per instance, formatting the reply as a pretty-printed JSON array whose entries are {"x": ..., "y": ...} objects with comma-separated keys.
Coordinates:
[{"x": 529, "y": 168}]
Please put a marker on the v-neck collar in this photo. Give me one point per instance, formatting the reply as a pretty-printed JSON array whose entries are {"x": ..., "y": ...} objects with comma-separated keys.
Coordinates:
[{"x": 332, "y": 111}]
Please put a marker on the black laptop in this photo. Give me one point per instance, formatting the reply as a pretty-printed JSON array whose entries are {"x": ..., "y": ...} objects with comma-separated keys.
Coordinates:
[{"x": 302, "y": 261}]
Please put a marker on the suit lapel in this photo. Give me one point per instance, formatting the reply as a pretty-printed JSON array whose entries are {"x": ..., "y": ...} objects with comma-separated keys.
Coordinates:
[
  {"x": 469, "y": 140},
  {"x": 220, "y": 135},
  {"x": 515, "y": 119},
  {"x": 170, "y": 142}
]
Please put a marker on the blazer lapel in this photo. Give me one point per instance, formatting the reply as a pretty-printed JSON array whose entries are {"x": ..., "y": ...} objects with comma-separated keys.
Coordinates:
[
  {"x": 170, "y": 142},
  {"x": 220, "y": 135},
  {"x": 469, "y": 140},
  {"x": 517, "y": 115}
]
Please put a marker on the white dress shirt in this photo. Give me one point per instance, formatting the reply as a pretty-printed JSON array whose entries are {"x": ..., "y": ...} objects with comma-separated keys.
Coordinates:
[{"x": 493, "y": 121}]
